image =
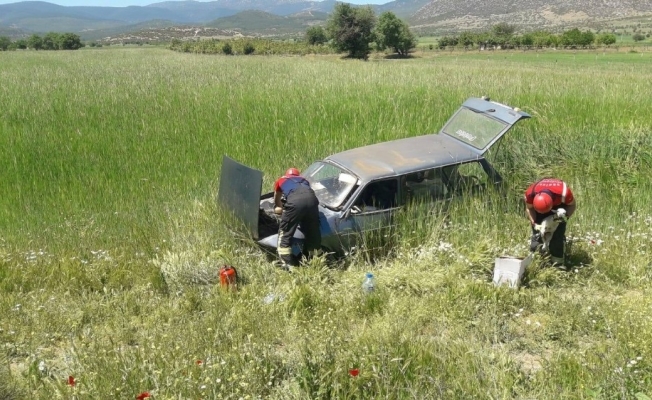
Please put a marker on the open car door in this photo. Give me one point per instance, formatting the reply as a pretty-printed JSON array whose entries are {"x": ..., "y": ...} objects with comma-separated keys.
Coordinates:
[
  {"x": 239, "y": 192},
  {"x": 480, "y": 123}
]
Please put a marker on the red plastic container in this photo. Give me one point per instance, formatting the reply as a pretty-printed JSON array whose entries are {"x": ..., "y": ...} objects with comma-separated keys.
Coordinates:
[{"x": 228, "y": 276}]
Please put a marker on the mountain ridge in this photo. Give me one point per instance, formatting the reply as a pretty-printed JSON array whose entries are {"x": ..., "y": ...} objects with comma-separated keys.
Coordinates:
[
  {"x": 538, "y": 14},
  {"x": 431, "y": 16}
]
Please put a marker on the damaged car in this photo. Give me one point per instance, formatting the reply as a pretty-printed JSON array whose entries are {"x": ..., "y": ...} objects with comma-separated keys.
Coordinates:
[{"x": 361, "y": 189}]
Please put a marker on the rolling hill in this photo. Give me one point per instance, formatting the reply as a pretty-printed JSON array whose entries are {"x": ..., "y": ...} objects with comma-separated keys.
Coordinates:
[
  {"x": 532, "y": 14},
  {"x": 291, "y": 17},
  {"x": 402, "y": 8},
  {"x": 278, "y": 7},
  {"x": 38, "y": 16},
  {"x": 264, "y": 23}
]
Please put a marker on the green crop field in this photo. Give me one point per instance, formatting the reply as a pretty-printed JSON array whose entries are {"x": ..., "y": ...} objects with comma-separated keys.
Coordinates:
[{"x": 111, "y": 238}]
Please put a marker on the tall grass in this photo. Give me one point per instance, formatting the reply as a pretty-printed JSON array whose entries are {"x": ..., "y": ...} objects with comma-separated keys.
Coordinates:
[{"x": 110, "y": 238}]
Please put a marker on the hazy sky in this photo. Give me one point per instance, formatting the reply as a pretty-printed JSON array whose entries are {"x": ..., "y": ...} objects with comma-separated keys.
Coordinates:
[{"x": 124, "y": 3}]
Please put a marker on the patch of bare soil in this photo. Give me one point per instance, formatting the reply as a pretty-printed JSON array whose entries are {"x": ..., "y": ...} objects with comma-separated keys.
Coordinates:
[{"x": 532, "y": 363}]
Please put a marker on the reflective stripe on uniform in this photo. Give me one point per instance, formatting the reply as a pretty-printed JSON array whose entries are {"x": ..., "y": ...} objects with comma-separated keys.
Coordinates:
[{"x": 284, "y": 251}]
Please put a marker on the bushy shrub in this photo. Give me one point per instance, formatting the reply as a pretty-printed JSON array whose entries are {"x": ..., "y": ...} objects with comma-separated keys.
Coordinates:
[
  {"x": 637, "y": 37},
  {"x": 315, "y": 35},
  {"x": 5, "y": 42},
  {"x": 227, "y": 49},
  {"x": 249, "y": 48}
]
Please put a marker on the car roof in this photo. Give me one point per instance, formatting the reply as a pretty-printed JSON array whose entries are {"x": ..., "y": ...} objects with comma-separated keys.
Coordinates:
[{"x": 399, "y": 157}]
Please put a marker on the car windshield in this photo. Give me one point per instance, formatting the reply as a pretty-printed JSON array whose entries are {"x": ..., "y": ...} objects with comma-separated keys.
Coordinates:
[
  {"x": 331, "y": 184},
  {"x": 474, "y": 128}
]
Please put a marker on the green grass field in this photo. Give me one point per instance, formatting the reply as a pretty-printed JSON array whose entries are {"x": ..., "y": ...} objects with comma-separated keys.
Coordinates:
[{"x": 110, "y": 238}]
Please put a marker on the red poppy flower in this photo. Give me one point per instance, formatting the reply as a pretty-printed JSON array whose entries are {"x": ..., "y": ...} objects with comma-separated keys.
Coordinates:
[
  {"x": 199, "y": 362},
  {"x": 71, "y": 381},
  {"x": 354, "y": 372},
  {"x": 143, "y": 395}
]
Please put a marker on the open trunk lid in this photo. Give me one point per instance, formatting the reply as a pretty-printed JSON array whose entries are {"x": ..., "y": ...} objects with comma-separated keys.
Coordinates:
[{"x": 479, "y": 123}]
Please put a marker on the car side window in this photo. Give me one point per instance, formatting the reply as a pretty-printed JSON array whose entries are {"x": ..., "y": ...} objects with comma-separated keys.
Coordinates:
[
  {"x": 467, "y": 177},
  {"x": 429, "y": 185},
  {"x": 379, "y": 195}
]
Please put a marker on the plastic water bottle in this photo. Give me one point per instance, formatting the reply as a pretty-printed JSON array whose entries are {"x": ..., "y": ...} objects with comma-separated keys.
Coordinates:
[{"x": 369, "y": 284}]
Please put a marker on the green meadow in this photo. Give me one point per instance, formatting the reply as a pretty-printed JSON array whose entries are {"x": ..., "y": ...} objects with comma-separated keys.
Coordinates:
[{"x": 111, "y": 238}]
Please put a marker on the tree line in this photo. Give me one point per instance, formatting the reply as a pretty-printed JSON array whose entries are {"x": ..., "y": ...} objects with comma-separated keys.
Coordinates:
[
  {"x": 352, "y": 30},
  {"x": 49, "y": 41},
  {"x": 502, "y": 35},
  {"x": 248, "y": 46}
]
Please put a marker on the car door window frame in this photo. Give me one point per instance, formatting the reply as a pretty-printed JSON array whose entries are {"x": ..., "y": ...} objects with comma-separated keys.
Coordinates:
[{"x": 398, "y": 201}]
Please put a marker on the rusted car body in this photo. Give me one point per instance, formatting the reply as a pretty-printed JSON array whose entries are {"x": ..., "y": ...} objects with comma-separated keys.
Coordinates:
[{"x": 360, "y": 189}]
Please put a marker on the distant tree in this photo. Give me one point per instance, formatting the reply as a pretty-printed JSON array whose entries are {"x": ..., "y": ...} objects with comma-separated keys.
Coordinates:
[
  {"x": 575, "y": 38},
  {"x": 392, "y": 32},
  {"x": 514, "y": 41},
  {"x": 527, "y": 40},
  {"x": 316, "y": 35},
  {"x": 637, "y": 37},
  {"x": 541, "y": 39},
  {"x": 467, "y": 39},
  {"x": 227, "y": 48},
  {"x": 482, "y": 39},
  {"x": 70, "y": 41},
  {"x": 351, "y": 29},
  {"x": 606, "y": 39},
  {"x": 446, "y": 41},
  {"x": 248, "y": 49},
  {"x": 175, "y": 44},
  {"x": 587, "y": 39},
  {"x": 5, "y": 42},
  {"x": 503, "y": 29},
  {"x": 491, "y": 40},
  {"x": 21, "y": 44},
  {"x": 35, "y": 42},
  {"x": 571, "y": 38},
  {"x": 51, "y": 41}
]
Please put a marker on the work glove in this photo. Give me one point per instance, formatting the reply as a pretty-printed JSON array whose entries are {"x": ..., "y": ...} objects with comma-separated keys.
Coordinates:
[{"x": 561, "y": 215}]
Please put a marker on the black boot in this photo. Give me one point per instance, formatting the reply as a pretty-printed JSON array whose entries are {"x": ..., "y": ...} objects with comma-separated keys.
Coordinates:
[{"x": 288, "y": 261}]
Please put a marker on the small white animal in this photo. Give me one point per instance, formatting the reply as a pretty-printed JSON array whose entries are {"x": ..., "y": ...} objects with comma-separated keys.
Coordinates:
[{"x": 548, "y": 226}]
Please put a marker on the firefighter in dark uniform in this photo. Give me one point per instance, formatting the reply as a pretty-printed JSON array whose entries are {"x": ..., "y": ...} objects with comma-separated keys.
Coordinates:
[{"x": 298, "y": 205}]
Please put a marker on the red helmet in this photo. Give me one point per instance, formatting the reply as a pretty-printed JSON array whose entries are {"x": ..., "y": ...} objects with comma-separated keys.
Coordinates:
[
  {"x": 292, "y": 172},
  {"x": 542, "y": 203}
]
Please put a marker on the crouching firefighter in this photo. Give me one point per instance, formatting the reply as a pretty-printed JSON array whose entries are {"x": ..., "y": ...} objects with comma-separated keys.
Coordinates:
[
  {"x": 297, "y": 204},
  {"x": 542, "y": 199}
]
